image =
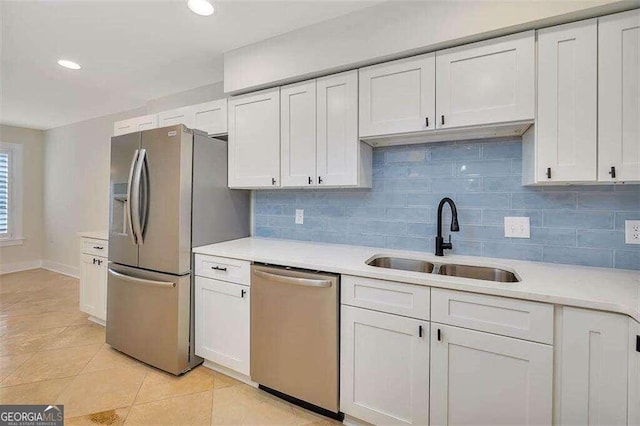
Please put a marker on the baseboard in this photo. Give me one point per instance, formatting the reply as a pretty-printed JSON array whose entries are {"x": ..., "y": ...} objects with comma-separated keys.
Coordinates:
[
  {"x": 61, "y": 268},
  {"x": 8, "y": 268},
  {"x": 228, "y": 372}
]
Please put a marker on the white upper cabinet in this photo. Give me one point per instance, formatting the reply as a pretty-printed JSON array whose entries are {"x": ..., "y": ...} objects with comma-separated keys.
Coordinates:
[
  {"x": 254, "y": 140},
  {"x": 591, "y": 368},
  {"x": 398, "y": 96},
  {"x": 619, "y": 97},
  {"x": 567, "y": 119},
  {"x": 488, "y": 82},
  {"x": 298, "y": 134},
  {"x": 342, "y": 160},
  {"x": 182, "y": 115},
  {"x": 484, "y": 379},
  {"x": 210, "y": 117},
  {"x": 136, "y": 124}
]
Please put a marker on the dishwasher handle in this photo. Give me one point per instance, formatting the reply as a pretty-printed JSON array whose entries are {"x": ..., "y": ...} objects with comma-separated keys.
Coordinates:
[{"x": 283, "y": 279}]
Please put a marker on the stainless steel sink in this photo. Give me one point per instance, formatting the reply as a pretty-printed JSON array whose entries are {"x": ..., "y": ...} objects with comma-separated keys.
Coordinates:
[
  {"x": 478, "y": 273},
  {"x": 403, "y": 264}
]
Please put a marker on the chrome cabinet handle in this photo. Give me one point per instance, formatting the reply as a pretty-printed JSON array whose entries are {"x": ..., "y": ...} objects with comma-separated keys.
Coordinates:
[
  {"x": 135, "y": 196},
  {"x": 142, "y": 281},
  {"x": 282, "y": 279},
  {"x": 132, "y": 169}
]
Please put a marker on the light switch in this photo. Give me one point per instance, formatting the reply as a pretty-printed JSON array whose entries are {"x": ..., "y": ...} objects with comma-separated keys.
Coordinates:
[
  {"x": 299, "y": 216},
  {"x": 517, "y": 227},
  {"x": 632, "y": 231}
]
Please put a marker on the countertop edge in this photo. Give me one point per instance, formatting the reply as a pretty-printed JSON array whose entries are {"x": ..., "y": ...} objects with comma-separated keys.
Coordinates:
[{"x": 435, "y": 281}]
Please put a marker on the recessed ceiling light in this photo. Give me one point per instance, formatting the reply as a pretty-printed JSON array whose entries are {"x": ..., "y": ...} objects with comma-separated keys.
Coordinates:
[
  {"x": 69, "y": 64},
  {"x": 201, "y": 7}
]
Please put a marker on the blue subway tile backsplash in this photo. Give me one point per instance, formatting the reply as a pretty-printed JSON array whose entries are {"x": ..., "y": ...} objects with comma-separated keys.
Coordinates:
[{"x": 581, "y": 225}]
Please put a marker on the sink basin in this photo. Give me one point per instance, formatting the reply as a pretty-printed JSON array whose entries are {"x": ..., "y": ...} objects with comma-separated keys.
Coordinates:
[
  {"x": 478, "y": 273},
  {"x": 403, "y": 264}
]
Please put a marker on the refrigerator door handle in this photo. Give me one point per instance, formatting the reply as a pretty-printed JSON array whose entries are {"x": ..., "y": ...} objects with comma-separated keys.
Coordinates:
[
  {"x": 145, "y": 195},
  {"x": 140, "y": 280},
  {"x": 132, "y": 233},
  {"x": 135, "y": 196},
  {"x": 282, "y": 279}
]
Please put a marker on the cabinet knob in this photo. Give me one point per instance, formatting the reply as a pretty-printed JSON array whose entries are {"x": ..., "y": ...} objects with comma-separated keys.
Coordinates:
[
  {"x": 612, "y": 172},
  {"x": 548, "y": 173}
]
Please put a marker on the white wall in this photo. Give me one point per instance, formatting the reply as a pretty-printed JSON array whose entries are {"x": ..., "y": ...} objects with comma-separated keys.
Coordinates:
[
  {"x": 29, "y": 254},
  {"x": 391, "y": 30},
  {"x": 76, "y": 174}
]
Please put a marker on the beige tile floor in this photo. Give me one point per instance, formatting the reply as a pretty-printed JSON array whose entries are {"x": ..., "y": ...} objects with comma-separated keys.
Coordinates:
[{"x": 50, "y": 353}]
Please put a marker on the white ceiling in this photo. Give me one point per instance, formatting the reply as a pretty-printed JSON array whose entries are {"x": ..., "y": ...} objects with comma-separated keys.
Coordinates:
[{"x": 130, "y": 51}]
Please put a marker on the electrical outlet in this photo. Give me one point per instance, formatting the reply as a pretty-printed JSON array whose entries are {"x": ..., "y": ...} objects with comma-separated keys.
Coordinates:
[
  {"x": 299, "y": 216},
  {"x": 632, "y": 231},
  {"x": 517, "y": 227}
]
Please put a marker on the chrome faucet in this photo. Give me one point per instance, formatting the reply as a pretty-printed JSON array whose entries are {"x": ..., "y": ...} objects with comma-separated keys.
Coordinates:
[{"x": 440, "y": 244}]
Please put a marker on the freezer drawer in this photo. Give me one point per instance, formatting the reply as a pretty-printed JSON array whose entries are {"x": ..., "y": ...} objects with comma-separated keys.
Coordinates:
[
  {"x": 294, "y": 334},
  {"x": 148, "y": 316}
]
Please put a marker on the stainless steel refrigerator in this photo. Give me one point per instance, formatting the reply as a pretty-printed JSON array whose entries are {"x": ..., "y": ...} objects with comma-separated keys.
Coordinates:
[{"x": 168, "y": 194}]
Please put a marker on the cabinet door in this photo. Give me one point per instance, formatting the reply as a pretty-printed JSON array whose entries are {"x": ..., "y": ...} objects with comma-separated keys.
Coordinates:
[
  {"x": 101, "y": 281},
  {"x": 222, "y": 323},
  {"x": 398, "y": 96},
  {"x": 337, "y": 134},
  {"x": 254, "y": 140},
  {"x": 211, "y": 117},
  {"x": 619, "y": 96},
  {"x": 485, "y": 379},
  {"x": 91, "y": 281},
  {"x": 384, "y": 367},
  {"x": 567, "y": 102},
  {"x": 298, "y": 134},
  {"x": 487, "y": 82},
  {"x": 136, "y": 124},
  {"x": 634, "y": 373},
  {"x": 591, "y": 363},
  {"x": 176, "y": 116}
]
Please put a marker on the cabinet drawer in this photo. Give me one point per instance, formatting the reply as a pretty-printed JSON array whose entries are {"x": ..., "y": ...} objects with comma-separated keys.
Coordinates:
[
  {"x": 500, "y": 315},
  {"x": 221, "y": 268},
  {"x": 95, "y": 247},
  {"x": 386, "y": 296}
]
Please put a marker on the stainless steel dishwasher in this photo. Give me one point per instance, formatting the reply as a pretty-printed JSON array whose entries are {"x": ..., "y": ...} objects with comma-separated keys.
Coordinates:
[{"x": 294, "y": 336}]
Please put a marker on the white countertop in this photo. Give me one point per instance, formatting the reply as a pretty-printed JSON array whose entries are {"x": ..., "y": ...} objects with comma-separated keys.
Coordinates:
[
  {"x": 98, "y": 235},
  {"x": 587, "y": 287}
]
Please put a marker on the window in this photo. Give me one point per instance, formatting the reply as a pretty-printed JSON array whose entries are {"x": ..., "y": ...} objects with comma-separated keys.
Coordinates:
[{"x": 10, "y": 194}]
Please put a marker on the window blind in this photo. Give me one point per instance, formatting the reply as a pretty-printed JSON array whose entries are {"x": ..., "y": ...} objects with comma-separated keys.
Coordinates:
[{"x": 4, "y": 191}]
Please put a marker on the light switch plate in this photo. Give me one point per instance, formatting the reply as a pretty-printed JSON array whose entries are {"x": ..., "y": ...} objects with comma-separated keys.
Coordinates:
[
  {"x": 517, "y": 227},
  {"x": 299, "y": 216},
  {"x": 632, "y": 231}
]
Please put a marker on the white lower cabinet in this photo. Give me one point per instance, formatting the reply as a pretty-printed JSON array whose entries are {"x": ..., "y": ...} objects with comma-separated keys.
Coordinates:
[
  {"x": 591, "y": 368},
  {"x": 384, "y": 367},
  {"x": 93, "y": 286},
  {"x": 634, "y": 373},
  {"x": 223, "y": 323},
  {"x": 484, "y": 379}
]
